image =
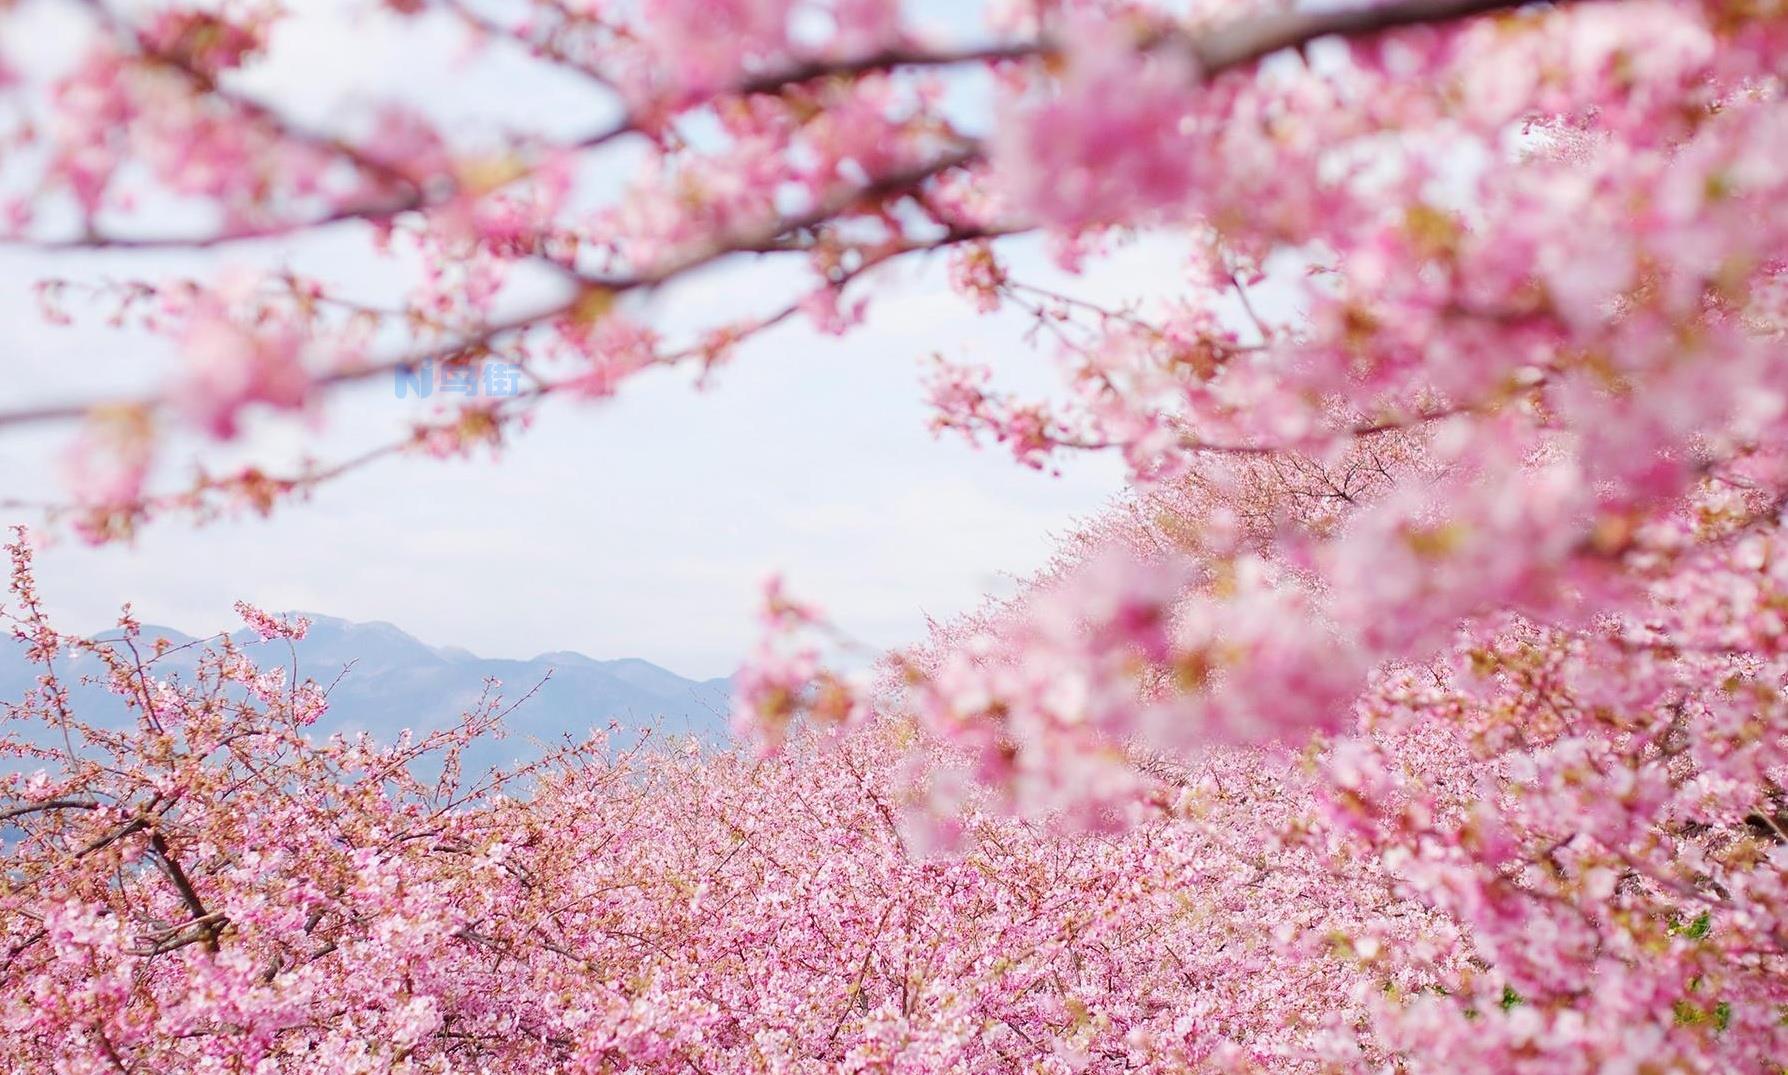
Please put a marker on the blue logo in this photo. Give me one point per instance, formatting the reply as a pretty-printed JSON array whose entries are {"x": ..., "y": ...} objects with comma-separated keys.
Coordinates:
[{"x": 490, "y": 379}]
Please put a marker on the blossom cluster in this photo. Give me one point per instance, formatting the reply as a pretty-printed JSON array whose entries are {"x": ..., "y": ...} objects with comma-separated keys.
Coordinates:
[{"x": 1419, "y": 707}]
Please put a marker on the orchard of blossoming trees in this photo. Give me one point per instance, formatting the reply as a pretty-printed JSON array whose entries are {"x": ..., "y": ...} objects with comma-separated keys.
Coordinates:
[{"x": 1419, "y": 709}]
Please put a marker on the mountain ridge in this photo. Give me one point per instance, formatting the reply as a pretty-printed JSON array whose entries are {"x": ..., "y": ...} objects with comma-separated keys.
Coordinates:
[{"x": 390, "y": 680}]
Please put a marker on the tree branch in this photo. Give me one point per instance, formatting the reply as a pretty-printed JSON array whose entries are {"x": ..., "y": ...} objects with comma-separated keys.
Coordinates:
[
  {"x": 50, "y": 804},
  {"x": 1217, "y": 50},
  {"x": 1252, "y": 39},
  {"x": 188, "y": 894}
]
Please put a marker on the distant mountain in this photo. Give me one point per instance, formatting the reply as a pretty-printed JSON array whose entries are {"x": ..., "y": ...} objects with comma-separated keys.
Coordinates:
[{"x": 390, "y": 680}]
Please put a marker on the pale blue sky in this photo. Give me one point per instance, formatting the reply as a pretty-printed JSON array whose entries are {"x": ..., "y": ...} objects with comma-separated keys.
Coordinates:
[{"x": 640, "y": 527}]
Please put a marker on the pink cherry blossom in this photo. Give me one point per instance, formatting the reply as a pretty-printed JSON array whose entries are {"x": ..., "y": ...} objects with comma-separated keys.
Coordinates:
[{"x": 1417, "y": 707}]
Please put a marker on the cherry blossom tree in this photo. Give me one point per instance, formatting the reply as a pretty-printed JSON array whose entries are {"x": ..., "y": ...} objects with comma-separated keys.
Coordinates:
[{"x": 1421, "y": 700}]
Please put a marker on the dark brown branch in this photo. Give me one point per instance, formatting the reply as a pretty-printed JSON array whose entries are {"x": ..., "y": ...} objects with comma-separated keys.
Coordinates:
[
  {"x": 315, "y": 475},
  {"x": 888, "y": 59},
  {"x": 134, "y": 825},
  {"x": 49, "y": 804},
  {"x": 1253, "y": 39},
  {"x": 1218, "y": 50},
  {"x": 188, "y": 894},
  {"x": 747, "y": 240}
]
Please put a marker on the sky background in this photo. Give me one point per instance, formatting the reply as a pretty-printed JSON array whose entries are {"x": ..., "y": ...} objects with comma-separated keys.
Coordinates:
[{"x": 638, "y": 527}]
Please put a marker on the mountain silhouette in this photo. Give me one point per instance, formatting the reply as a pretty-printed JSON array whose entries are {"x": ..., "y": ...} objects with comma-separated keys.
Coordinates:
[{"x": 386, "y": 680}]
